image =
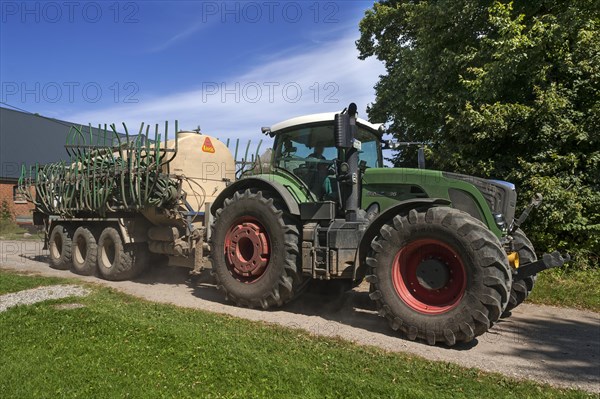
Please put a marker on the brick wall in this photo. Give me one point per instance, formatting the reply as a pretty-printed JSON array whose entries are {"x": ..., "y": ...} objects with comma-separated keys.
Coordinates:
[{"x": 18, "y": 209}]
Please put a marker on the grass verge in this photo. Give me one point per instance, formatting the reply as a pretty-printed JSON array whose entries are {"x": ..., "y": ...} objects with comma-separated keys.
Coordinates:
[
  {"x": 121, "y": 346},
  {"x": 9, "y": 230},
  {"x": 569, "y": 288},
  {"x": 11, "y": 282}
]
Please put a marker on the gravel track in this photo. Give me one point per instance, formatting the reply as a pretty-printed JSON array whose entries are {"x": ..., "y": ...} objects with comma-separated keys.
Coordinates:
[
  {"x": 559, "y": 346},
  {"x": 40, "y": 294}
]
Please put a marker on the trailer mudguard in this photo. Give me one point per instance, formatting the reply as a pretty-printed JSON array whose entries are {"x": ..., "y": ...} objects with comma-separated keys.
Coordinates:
[{"x": 261, "y": 184}]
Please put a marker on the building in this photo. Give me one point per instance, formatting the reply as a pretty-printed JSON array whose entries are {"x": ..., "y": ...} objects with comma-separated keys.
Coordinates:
[{"x": 27, "y": 139}]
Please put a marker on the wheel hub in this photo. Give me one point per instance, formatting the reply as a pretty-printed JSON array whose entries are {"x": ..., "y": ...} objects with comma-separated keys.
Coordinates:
[
  {"x": 56, "y": 247},
  {"x": 247, "y": 249},
  {"x": 429, "y": 276},
  {"x": 433, "y": 274},
  {"x": 80, "y": 252}
]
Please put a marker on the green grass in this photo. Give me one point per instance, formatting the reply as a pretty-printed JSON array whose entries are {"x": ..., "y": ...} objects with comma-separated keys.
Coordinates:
[
  {"x": 11, "y": 282},
  {"x": 570, "y": 288},
  {"x": 120, "y": 346},
  {"x": 9, "y": 230}
]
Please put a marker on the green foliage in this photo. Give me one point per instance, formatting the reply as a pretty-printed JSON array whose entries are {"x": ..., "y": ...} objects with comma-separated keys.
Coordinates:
[
  {"x": 9, "y": 230},
  {"x": 568, "y": 287},
  {"x": 500, "y": 89},
  {"x": 5, "y": 212}
]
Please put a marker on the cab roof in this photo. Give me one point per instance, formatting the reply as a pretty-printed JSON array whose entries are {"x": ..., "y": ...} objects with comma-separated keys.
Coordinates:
[{"x": 319, "y": 118}]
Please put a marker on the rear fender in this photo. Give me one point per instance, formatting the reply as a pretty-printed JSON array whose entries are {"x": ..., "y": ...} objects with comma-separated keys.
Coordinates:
[{"x": 261, "y": 184}]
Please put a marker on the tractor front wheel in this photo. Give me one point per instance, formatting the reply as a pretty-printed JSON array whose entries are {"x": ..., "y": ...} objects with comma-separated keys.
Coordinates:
[
  {"x": 254, "y": 249},
  {"x": 439, "y": 275}
]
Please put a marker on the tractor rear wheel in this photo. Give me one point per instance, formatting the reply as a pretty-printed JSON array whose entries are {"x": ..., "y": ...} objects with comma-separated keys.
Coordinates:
[
  {"x": 60, "y": 245},
  {"x": 439, "y": 275},
  {"x": 118, "y": 261},
  {"x": 254, "y": 249},
  {"x": 521, "y": 288},
  {"x": 85, "y": 251}
]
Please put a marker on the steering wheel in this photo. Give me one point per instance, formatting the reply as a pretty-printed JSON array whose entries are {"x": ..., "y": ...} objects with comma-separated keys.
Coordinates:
[{"x": 331, "y": 170}]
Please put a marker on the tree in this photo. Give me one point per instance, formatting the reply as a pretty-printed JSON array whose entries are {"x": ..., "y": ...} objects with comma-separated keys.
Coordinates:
[
  {"x": 6, "y": 214},
  {"x": 500, "y": 89}
]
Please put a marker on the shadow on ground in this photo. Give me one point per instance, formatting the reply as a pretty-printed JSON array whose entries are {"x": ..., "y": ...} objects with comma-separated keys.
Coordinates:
[
  {"x": 559, "y": 345},
  {"x": 37, "y": 258}
]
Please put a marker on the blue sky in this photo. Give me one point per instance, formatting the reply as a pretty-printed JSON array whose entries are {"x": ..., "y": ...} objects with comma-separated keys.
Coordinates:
[{"x": 230, "y": 67}]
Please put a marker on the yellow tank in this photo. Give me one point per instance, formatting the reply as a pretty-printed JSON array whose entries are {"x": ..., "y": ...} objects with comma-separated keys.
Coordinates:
[{"x": 204, "y": 163}]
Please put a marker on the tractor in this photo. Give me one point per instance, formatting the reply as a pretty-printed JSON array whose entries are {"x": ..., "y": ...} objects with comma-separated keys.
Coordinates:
[{"x": 443, "y": 252}]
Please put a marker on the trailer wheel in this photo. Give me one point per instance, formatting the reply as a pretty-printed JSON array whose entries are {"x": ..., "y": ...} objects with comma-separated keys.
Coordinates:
[
  {"x": 439, "y": 275},
  {"x": 117, "y": 261},
  {"x": 85, "y": 252},
  {"x": 60, "y": 245},
  {"x": 254, "y": 250},
  {"x": 521, "y": 288}
]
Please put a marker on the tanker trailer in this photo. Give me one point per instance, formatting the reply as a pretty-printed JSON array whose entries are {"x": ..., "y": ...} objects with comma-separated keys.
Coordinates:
[
  {"x": 122, "y": 201},
  {"x": 444, "y": 253}
]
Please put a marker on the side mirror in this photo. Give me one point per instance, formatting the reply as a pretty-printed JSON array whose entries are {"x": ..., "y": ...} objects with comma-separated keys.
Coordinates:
[
  {"x": 343, "y": 137},
  {"x": 345, "y": 127}
]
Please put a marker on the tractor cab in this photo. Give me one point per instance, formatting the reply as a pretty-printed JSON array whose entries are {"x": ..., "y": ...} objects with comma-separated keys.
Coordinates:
[{"x": 305, "y": 147}]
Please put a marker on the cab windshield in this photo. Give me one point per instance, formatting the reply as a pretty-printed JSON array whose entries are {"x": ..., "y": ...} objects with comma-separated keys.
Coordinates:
[{"x": 309, "y": 153}]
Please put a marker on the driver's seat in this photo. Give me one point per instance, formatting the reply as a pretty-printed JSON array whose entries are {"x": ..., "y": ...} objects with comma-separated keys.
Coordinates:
[
  {"x": 313, "y": 178},
  {"x": 317, "y": 182}
]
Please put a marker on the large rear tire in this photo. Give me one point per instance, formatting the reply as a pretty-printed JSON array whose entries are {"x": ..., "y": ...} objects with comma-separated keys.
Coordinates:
[
  {"x": 117, "y": 261},
  {"x": 60, "y": 245},
  {"x": 254, "y": 249},
  {"x": 521, "y": 288},
  {"x": 85, "y": 252},
  {"x": 439, "y": 275}
]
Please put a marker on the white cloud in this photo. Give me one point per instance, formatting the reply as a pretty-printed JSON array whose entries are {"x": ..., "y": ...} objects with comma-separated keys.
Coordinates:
[
  {"x": 326, "y": 78},
  {"x": 180, "y": 36}
]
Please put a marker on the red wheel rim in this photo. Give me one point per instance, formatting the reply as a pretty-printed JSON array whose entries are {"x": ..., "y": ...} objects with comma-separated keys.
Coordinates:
[
  {"x": 429, "y": 276},
  {"x": 247, "y": 249}
]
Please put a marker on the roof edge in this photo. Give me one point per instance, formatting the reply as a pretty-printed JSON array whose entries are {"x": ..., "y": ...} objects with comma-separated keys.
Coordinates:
[{"x": 322, "y": 117}]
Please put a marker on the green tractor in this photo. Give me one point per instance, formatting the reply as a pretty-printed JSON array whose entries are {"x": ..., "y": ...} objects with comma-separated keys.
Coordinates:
[{"x": 443, "y": 252}]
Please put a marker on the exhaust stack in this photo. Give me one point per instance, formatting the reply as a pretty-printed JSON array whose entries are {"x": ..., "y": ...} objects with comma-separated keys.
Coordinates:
[{"x": 348, "y": 173}]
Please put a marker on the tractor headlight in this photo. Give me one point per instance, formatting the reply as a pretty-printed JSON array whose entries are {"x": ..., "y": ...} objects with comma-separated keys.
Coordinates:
[{"x": 500, "y": 222}]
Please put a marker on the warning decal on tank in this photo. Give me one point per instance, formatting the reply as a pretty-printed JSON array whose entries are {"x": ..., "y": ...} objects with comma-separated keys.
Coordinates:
[{"x": 208, "y": 146}]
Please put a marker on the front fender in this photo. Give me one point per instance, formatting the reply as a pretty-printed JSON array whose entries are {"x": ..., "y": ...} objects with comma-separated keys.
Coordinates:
[
  {"x": 261, "y": 184},
  {"x": 402, "y": 208}
]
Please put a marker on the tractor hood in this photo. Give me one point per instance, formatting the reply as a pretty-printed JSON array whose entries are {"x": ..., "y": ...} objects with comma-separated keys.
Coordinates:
[{"x": 491, "y": 201}]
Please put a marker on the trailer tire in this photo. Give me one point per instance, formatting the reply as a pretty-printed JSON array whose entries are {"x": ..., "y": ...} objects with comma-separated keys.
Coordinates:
[
  {"x": 118, "y": 261},
  {"x": 254, "y": 250},
  {"x": 521, "y": 288},
  {"x": 60, "y": 245},
  {"x": 438, "y": 275},
  {"x": 85, "y": 252}
]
